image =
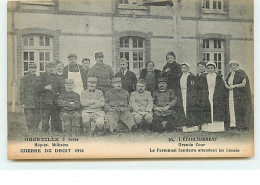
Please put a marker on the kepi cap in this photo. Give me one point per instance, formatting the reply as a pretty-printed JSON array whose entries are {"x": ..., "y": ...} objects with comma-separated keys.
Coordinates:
[
  {"x": 72, "y": 55},
  {"x": 141, "y": 81},
  {"x": 162, "y": 79},
  {"x": 69, "y": 81},
  {"x": 32, "y": 65},
  {"x": 99, "y": 54},
  {"x": 50, "y": 64},
  {"x": 116, "y": 79}
]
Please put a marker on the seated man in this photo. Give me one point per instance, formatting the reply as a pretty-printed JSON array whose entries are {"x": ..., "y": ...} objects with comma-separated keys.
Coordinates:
[
  {"x": 69, "y": 101},
  {"x": 92, "y": 101},
  {"x": 141, "y": 102},
  {"x": 164, "y": 100},
  {"x": 117, "y": 107}
]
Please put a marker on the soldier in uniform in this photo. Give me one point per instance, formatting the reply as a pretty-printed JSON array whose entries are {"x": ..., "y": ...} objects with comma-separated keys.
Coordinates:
[
  {"x": 49, "y": 88},
  {"x": 141, "y": 102},
  {"x": 86, "y": 66},
  {"x": 69, "y": 101},
  {"x": 59, "y": 72},
  {"x": 102, "y": 72},
  {"x": 92, "y": 101},
  {"x": 29, "y": 98},
  {"x": 117, "y": 107},
  {"x": 128, "y": 77},
  {"x": 164, "y": 100}
]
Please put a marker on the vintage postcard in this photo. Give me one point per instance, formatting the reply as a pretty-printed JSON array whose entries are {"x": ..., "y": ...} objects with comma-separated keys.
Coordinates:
[{"x": 130, "y": 79}]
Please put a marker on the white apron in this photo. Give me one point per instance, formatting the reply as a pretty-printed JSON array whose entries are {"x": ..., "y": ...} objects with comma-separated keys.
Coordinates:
[
  {"x": 231, "y": 102},
  {"x": 76, "y": 76}
]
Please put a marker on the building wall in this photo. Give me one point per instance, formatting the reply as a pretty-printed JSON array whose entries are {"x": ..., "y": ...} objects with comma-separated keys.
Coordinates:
[{"x": 94, "y": 26}]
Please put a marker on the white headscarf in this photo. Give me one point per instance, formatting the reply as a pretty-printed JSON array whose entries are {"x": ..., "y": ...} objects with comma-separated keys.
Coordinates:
[{"x": 211, "y": 63}]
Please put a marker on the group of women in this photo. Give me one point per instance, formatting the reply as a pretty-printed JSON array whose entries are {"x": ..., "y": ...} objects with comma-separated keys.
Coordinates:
[{"x": 206, "y": 101}]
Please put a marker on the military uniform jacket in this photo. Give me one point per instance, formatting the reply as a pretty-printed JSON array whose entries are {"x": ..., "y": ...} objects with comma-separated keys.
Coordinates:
[
  {"x": 104, "y": 74},
  {"x": 117, "y": 99},
  {"x": 141, "y": 101},
  {"x": 48, "y": 97},
  {"x": 69, "y": 102},
  {"x": 29, "y": 97},
  {"x": 129, "y": 80}
]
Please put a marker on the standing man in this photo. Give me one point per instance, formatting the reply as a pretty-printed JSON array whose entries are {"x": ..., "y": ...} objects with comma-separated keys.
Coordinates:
[
  {"x": 59, "y": 72},
  {"x": 86, "y": 66},
  {"x": 117, "y": 107},
  {"x": 92, "y": 102},
  {"x": 164, "y": 100},
  {"x": 102, "y": 72},
  {"x": 30, "y": 99},
  {"x": 141, "y": 102},
  {"x": 171, "y": 70},
  {"x": 128, "y": 77},
  {"x": 75, "y": 71},
  {"x": 49, "y": 88}
]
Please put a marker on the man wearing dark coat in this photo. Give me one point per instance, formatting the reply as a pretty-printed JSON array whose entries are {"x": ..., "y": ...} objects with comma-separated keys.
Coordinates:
[
  {"x": 49, "y": 88},
  {"x": 30, "y": 99},
  {"x": 128, "y": 78},
  {"x": 171, "y": 70}
]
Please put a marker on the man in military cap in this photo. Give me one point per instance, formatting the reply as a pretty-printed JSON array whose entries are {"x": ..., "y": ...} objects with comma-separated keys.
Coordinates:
[
  {"x": 92, "y": 101},
  {"x": 49, "y": 89},
  {"x": 128, "y": 77},
  {"x": 102, "y": 72},
  {"x": 86, "y": 65},
  {"x": 164, "y": 101},
  {"x": 30, "y": 98},
  {"x": 75, "y": 71},
  {"x": 117, "y": 107},
  {"x": 141, "y": 102},
  {"x": 69, "y": 101}
]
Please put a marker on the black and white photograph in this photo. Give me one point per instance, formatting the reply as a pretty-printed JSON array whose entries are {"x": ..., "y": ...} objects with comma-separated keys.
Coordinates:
[{"x": 114, "y": 79}]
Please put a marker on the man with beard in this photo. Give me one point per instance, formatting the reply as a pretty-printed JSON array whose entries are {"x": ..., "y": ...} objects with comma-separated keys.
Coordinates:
[
  {"x": 102, "y": 72},
  {"x": 59, "y": 72},
  {"x": 117, "y": 107},
  {"x": 128, "y": 77},
  {"x": 92, "y": 101},
  {"x": 141, "y": 102},
  {"x": 164, "y": 100}
]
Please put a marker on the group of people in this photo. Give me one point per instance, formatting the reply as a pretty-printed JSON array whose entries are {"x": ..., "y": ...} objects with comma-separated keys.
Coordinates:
[{"x": 89, "y": 100}]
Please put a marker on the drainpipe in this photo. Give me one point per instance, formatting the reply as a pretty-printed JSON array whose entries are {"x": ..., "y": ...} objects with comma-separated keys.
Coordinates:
[{"x": 14, "y": 72}]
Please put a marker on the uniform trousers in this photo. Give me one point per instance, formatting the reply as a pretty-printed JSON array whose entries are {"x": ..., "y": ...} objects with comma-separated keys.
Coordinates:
[
  {"x": 157, "y": 122},
  {"x": 32, "y": 117},
  {"x": 91, "y": 120}
]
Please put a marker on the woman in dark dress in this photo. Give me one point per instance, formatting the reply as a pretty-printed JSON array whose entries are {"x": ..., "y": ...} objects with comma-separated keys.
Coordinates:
[
  {"x": 239, "y": 103},
  {"x": 187, "y": 98},
  {"x": 150, "y": 76}
]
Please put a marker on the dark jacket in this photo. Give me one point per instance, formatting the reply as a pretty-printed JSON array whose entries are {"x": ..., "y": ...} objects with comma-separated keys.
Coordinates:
[
  {"x": 191, "y": 102},
  {"x": 69, "y": 102},
  {"x": 76, "y": 68},
  {"x": 129, "y": 80},
  {"x": 172, "y": 74},
  {"x": 29, "y": 96},
  {"x": 242, "y": 100},
  {"x": 143, "y": 74},
  {"x": 49, "y": 97}
]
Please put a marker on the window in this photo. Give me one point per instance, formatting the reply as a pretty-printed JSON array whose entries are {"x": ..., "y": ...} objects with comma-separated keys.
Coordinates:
[
  {"x": 133, "y": 50},
  {"x": 212, "y": 6},
  {"x": 127, "y": 1},
  {"x": 213, "y": 50},
  {"x": 38, "y": 49}
]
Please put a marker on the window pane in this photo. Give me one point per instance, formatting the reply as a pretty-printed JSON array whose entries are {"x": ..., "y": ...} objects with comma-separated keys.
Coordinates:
[
  {"x": 135, "y": 57},
  {"x": 126, "y": 42},
  {"x": 25, "y": 66},
  {"x": 140, "y": 43},
  {"x": 219, "y": 65},
  {"x": 215, "y": 57},
  {"x": 121, "y": 42},
  {"x": 47, "y": 56},
  {"x": 215, "y": 44},
  {"x": 121, "y": 55},
  {"x": 42, "y": 66},
  {"x": 219, "y": 5},
  {"x": 135, "y": 65},
  {"x": 219, "y": 43},
  {"x": 127, "y": 56},
  {"x": 135, "y": 43},
  {"x": 31, "y": 55},
  {"x": 25, "y": 41},
  {"x": 25, "y": 55},
  {"x": 219, "y": 57},
  {"x": 41, "y": 56},
  {"x": 47, "y": 41},
  {"x": 208, "y": 57},
  {"x": 214, "y": 5},
  {"x": 31, "y": 41},
  {"x": 207, "y": 4},
  {"x": 141, "y": 56},
  {"x": 41, "y": 41},
  {"x": 141, "y": 64}
]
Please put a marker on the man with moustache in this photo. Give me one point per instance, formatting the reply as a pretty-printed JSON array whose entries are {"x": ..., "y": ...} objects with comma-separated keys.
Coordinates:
[
  {"x": 86, "y": 66},
  {"x": 59, "y": 72},
  {"x": 141, "y": 102},
  {"x": 49, "y": 89},
  {"x": 102, "y": 72},
  {"x": 29, "y": 98},
  {"x": 164, "y": 101},
  {"x": 128, "y": 77},
  {"x": 117, "y": 107},
  {"x": 92, "y": 102}
]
